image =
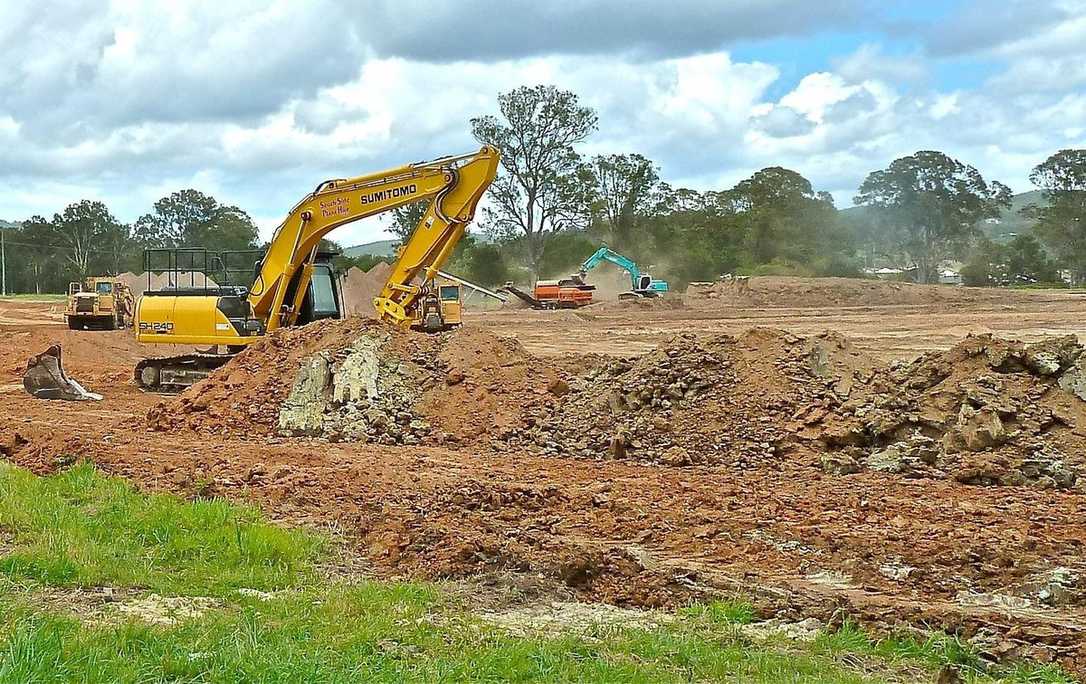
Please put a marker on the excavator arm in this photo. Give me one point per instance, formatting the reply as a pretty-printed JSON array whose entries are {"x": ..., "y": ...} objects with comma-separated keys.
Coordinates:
[
  {"x": 605, "y": 253},
  {"x": 454, "y": 186}
]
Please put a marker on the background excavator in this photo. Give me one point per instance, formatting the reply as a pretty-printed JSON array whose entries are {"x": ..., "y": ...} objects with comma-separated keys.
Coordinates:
[
  {"x": 293, "y": 285},
  {"x": 641, "y": 284},
  {"x": 574, "y": 292}
]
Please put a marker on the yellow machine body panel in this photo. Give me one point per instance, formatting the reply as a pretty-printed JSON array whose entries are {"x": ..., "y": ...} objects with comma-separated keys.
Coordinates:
[
  {"x": 102, "y": 300},
  {"x": 189, "y": 319},
  {"x": 452, "y": 306}
]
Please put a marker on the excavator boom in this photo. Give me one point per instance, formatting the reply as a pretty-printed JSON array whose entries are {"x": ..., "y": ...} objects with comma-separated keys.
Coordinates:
[
  {"x": 285, "y": 291},
  {"x": 454, "y": 186}
]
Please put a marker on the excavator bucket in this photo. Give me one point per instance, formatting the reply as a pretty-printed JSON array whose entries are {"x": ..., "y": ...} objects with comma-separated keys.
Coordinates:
[{"x": 45, "y": 378}]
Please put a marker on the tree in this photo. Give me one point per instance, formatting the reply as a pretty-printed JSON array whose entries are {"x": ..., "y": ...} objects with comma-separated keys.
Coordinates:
[
  {"x": 784, "y": 218},
  {"x": 565, "y": 253},
  {"x": 697, "y": 235},
  {"x": 190, "y": 218},
  {"x": 932, "y": 205},
  {"x": 626, "y": 184},
  {"x": 406, "y": 218},
  {"x": 84, "y": 229},
  {"x": 545, "y": 186},
  {"x": 1022, "y": 261},
  {"x": 39, "y": 259},
  {"x": 1061, "y": 224},
  {"x": 486, "y": 265}
]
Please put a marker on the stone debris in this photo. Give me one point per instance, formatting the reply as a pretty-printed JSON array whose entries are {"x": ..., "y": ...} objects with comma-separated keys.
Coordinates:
[{"x": 986, "y": 412}]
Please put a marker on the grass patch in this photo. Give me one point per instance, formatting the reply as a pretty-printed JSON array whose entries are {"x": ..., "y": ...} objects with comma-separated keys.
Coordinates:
[{"x": 78, "y": 528}]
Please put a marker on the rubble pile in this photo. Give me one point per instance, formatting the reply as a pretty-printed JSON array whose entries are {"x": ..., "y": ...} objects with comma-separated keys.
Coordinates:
[
  {"x": 986, "y": 412},
  {"x": 356, "y": 380},
  {"x": 693, "y": 400}
]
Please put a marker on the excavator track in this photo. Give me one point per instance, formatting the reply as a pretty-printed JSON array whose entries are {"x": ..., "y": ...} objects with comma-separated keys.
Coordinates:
[{"x": 175, "y": 373}]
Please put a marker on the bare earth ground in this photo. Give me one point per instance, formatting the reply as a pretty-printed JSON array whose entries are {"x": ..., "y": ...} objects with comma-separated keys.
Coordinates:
[{"x": 802, "y": 542}]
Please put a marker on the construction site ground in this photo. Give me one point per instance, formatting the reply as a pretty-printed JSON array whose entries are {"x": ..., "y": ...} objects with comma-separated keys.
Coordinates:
[{"x": 889, "y": 550}]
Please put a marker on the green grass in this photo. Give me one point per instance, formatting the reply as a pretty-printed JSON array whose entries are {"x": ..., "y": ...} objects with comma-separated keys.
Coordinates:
[{"x": 80, "y": 529}]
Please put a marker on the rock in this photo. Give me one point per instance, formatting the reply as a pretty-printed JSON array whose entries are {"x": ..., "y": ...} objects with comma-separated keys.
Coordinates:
[
  {"x": 676, "y": 456},
  {"x": 356, "y": 377},
  {"x": 1073, "y": 379},
  {"x": 839, "y": 463},
  {"x": 1049, "y": 356},
  {"x": 558, "y": 387},
  {"x": 889, "y": 460},
  {"x": 979, "y": 429},
  {"x": 303, "y": 411},
  {"x": 896, "y": 570},
  {"x": 618, "y": 445},
  {"x": 454, "y": 377}
]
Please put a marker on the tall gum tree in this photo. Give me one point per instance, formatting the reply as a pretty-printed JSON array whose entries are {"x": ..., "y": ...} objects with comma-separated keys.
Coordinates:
[
  {"x": 544, "y": 186},
  {"x": 1061, "y": 223},
  {"x": 931, "y": 206}
]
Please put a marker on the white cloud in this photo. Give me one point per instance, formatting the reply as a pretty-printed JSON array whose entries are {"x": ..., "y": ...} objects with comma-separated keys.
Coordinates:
[
  {"x": 256, "y": 103},
  {"x": 870, "y": 62}
]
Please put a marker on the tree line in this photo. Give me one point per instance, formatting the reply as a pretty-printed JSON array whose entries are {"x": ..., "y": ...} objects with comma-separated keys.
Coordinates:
[
  {"x": 45, "y": 254},
  {"x": 551, "y": 206}
]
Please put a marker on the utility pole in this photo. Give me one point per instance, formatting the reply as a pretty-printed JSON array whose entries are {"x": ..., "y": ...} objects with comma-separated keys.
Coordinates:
[{"x": 3, "y": 266}]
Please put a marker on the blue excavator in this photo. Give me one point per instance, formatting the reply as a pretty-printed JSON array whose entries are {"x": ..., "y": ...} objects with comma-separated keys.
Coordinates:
[{"x": 641, "y": 284}]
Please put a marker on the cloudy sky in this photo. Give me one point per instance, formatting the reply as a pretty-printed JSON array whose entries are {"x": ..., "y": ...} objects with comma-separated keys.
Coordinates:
[{"x": 256, "y": 102}]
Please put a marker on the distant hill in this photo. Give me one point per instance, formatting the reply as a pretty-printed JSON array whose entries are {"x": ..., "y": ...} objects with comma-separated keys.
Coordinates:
[
  {"x": 1010, "y": 223},
  {"x": 9, "y": 224},
  {"x": 381, "y": 248}
]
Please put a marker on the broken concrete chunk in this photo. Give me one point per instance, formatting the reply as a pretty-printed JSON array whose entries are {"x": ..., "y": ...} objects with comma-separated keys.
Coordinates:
[
  {"x": 303, "y": 411},
  {"x": 1073, "y": 379}
]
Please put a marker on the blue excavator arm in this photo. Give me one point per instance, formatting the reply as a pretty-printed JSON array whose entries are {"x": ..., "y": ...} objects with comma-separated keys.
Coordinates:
[{"x": 607, "y": 254}]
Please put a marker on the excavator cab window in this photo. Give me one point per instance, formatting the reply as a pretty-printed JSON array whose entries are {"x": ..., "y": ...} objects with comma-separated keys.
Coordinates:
[
  {"x": 323, "y": 292},
  {"x": 449, "y": 293},
  {"x": 105, "y": 288}
]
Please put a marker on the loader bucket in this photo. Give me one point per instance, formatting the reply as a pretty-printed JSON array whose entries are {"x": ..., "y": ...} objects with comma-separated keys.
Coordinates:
[{"x": 45, "y": 378}]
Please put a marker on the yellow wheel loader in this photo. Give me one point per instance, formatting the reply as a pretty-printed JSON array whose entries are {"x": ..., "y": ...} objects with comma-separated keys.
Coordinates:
[{"x": 101, "y": 303}]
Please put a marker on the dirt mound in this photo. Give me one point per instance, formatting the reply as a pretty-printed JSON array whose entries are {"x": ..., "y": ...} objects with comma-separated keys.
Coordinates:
[
  {"x": 360, "y": 287},
  {"x": 785, "y": 291},
  {"x": 987, "y": 412},
  {"x": 245, "y": 396},
  {"x": 693, "y": 400},
  {"x": 359, "y": 380}
]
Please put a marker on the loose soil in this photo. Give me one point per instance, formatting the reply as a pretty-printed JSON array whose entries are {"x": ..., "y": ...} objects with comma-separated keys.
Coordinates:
[{"x": 768, "y": 479}]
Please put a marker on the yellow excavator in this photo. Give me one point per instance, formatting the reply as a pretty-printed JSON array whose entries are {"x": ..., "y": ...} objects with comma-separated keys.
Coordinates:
[{"x": 294, "y": 286}]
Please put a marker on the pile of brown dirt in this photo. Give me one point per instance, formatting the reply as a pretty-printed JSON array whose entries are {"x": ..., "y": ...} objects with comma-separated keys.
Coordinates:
[
  {"x": 244, "y": 396},
  {"x": 360, "y": 287},
  {"x": 986, "y": 412},
  {"x": 359, "y": 380},
  {"x": 694, "y": 400}
]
